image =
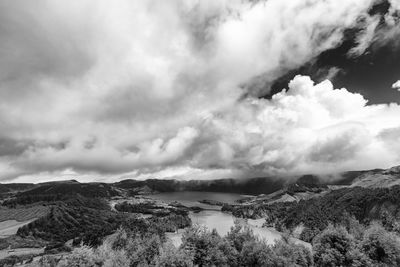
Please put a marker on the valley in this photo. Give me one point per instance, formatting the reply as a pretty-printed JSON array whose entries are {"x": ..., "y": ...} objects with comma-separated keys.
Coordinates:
[{"x": 56, "y": 218}]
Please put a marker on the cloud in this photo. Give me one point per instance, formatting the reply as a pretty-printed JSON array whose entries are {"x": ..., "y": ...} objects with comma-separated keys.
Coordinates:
[
  {"x": 377, "y": 30},
  {"x": 367, "y": 36},
  {"x": 308, "y": 128},
  {"x": 396, "y": 85},
  {"x": 147, "y": 87}
]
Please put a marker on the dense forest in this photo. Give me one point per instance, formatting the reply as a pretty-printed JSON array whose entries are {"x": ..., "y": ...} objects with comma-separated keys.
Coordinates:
[
  {"x": 335, "y": 207},
  {"x": 83, "y": 219},
  {"x": 90, "y": 220}
]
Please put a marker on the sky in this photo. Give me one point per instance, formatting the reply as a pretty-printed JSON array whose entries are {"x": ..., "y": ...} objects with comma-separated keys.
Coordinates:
[{"x": 99, "y": 90}]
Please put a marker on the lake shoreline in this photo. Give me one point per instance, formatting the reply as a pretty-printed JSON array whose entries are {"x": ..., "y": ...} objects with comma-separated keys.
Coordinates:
[{"x": 212, "y": 217}]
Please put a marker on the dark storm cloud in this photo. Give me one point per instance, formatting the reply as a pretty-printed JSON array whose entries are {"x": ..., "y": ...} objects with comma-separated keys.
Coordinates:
[{"x": 10, "y": 147}]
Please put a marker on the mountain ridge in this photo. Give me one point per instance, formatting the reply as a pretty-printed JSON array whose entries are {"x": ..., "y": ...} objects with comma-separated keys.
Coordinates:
[{"x": 253, "y": 186}]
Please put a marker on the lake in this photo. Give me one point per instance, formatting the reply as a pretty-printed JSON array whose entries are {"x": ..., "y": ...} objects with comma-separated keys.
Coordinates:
[
  {"x": 191, "y": 199},
  {"x": 213, "y": 217}
]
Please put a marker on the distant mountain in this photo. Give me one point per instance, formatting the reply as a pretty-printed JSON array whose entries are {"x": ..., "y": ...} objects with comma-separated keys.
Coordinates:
[
  {"x": 252, "y": 186},
  {"x": 378, "y": 178},
  {"x": 261, "y": 185},
  {"x": 311, "y": 186}
]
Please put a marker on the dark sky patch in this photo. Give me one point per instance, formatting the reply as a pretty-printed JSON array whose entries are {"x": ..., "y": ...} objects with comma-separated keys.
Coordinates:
[
  {"x": 11, "y": 147},
  {"x": 371, "y": 73}
]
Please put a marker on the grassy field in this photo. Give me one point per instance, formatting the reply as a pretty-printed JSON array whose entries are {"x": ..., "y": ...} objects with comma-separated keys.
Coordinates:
[
  {"x": 15, "y": 241},
  {"x": 20, "y": 251},
  {"x": 23, "y": 214},
  {"x": 10, "y": 227}
]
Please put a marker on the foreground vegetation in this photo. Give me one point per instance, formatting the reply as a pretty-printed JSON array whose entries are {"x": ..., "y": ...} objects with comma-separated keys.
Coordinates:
[{"x": 140, "y": 244}]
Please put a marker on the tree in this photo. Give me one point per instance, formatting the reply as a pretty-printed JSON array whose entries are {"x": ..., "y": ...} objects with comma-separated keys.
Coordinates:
[
  {"x": 170, "y": 256},
  {"x": 239, "y": 234},
  {"x": 292, "y": 254},
  {"x": 331, "y": 247},
  {"x": 208, "y": 248},
  {"x": 256, "y": 253},
  {"x": 381, "y": 246}
]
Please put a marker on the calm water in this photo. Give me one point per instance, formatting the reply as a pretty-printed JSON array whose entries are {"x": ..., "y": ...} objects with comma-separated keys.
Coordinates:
[
  {"x": 214, "y": 218},
  {"x": 191, "y": 199},
  {"x": 222, "y": 222}
]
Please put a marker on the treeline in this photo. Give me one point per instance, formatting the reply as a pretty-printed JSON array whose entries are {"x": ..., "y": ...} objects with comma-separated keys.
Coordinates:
[
  {"x": 71, "y": 199},
  {"x": 92, "y": 190},
  {"x": 139, "y": 244},
  {"x": 365, "y": 204},
  {"x": 51, "y": 192},
  {"x": 144, "y": 208},
  {"x": 60, "y": 191},
  {"x": 150, "y": 208}
]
